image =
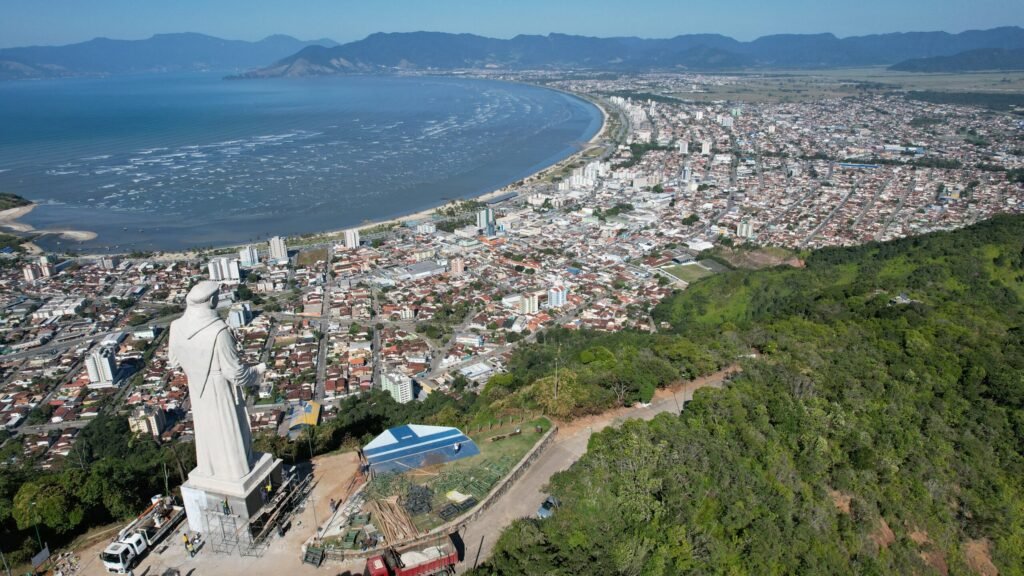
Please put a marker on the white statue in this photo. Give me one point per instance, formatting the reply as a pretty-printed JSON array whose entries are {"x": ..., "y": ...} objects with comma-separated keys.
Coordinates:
[{"x": 204, "y": 348}]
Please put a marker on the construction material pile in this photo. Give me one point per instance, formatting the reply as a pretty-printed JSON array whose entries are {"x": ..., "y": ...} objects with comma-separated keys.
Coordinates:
[{"x": 418, "y": 500}]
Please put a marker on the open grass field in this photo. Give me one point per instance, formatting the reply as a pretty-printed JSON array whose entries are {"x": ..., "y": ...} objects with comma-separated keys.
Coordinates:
[
  {"x": 688, "y": 273},
  {"x": 310, "y": 257}
]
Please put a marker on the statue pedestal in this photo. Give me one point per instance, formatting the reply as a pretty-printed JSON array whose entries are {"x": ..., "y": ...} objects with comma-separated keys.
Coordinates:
[{"x": 244, "y": 497}]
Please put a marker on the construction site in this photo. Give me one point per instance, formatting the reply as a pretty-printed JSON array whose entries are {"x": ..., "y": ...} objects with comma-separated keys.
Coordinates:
[
  {"x": 417, "y": 484},
  {"x": 391, "y": 505}
]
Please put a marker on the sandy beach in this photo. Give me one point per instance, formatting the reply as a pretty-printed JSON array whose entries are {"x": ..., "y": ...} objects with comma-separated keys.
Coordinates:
[{"x": 9, "y": 221}]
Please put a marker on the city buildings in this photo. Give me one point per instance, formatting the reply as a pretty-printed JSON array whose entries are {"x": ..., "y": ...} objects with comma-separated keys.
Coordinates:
[
  {"x": 101, "y": 365},
  {"x": 278, "y": 250},
  {"x": 147, "y": 419},
  {"x": 240, "y": 315},
  {"x": 249, "y": 256},
  {"x": 398, "y": 385},
  {"x": 557, "y": 296},
  {"x": 224, "y": 270},
  {"x": 352, "y": 238}
]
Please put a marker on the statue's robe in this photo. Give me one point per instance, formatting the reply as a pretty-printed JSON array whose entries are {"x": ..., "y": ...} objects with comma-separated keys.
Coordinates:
[{"x": 204, "y": 348}]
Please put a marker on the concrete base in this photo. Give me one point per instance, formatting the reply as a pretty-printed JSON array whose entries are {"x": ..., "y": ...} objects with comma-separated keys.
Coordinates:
[{"x": 244, "y": 497}]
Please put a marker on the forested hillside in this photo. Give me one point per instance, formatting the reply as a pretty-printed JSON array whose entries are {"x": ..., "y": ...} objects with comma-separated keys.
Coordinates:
[{"x": 880, "y": 431}]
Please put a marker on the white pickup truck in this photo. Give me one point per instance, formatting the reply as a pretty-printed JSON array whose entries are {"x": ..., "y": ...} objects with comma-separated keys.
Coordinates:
[{"x": 155, "y": 523}]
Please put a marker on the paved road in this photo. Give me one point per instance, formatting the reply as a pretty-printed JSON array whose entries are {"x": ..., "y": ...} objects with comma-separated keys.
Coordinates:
[{"x": 526, "y": 495}]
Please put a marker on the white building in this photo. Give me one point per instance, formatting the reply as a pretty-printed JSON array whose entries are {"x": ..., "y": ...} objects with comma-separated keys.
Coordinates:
[
  {"x": 485, "y": 221},
  {"x": 101, "y": 366},
  {"x": 352, "y": 239},
  {"x": 240, "y": 315},
  {"x": 398, "y": 385},
  {"x": 278, "y": 249},
  {"x": 147, "y": 420},
  {"x": 705, "y": 148},
  {"x": 249, "y": 256},
  {"x": 225, "y": 270},
  {"x": 745, "y": 229},
  {"x": 426, "y": 228},
  {"x": 456, "y": 266},
  {"x": 529, "y": 304},
  {"x": 684, "y": 147},
  {"x": 557, "y": 296}
]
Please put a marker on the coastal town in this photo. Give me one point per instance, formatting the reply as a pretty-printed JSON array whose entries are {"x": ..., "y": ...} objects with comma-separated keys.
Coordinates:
[{"x": 671, "y": 191}]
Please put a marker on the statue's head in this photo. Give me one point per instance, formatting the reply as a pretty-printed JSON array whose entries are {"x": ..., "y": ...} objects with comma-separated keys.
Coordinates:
[{"x": 203, "y": 294}]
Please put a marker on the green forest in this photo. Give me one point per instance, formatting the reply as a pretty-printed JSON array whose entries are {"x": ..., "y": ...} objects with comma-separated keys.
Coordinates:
[
  {"x": 878, "y": 430},
  {"x": 110, "y": 474}
]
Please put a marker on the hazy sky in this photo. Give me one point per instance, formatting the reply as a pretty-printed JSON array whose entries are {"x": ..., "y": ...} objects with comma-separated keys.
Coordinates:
[{"x": 24, "y": 22}]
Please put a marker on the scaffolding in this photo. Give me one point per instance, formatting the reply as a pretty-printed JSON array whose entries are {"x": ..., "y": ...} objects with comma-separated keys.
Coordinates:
[
  {"x": 222, "y": 531},
  {"x": 227, "y": 533}
]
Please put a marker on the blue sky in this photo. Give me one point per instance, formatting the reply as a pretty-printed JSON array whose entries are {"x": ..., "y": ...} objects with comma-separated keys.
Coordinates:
[{"x": 24, "y": 22}]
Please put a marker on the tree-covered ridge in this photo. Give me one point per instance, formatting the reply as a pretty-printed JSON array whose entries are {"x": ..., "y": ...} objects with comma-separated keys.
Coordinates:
[{"x": 881, "y": 430}]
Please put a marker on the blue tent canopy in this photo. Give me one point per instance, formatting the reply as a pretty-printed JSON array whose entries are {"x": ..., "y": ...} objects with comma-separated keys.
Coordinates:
[{"x": 413, "y": 446}]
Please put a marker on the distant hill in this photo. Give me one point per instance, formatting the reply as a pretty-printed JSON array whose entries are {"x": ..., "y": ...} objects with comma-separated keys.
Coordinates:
[
  {"x": 970, "y": 61},
  {"x": 161, "y": 53},
  {"x": 442, "y": 51}
]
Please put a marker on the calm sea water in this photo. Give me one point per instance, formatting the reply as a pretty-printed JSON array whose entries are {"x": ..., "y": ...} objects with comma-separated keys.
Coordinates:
[{"x": 175, "y": 161}]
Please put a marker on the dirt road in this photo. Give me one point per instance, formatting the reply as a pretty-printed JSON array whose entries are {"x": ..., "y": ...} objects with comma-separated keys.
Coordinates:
[{"x": 527, "y": 493}]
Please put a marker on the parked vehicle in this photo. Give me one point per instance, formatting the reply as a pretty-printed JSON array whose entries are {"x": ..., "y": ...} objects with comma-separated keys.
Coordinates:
[
  {"x": 547, "y": 508},
  {"x": 155, "y": 523}
]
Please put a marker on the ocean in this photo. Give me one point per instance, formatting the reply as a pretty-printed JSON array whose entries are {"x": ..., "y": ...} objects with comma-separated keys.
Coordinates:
[{"x": 176, "y": 161}]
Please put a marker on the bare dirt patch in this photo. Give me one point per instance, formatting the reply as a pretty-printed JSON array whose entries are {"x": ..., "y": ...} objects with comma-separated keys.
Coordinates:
[
  {"x": 765, "y": 257},
  {"x": 883, "y": 535},
  {"x": 936, "y": 559},
  {"x": 842, "y": 501},
  {"x": 979, "y": 559},
  {"x": 919, "y": 536}
]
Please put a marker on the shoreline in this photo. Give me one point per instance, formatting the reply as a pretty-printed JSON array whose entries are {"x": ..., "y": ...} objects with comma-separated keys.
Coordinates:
[
  {"x": 79, "y": 235},
  {"x": 10, "y": 220}
]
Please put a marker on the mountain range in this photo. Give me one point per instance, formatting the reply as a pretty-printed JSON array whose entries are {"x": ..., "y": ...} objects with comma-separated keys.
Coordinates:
[
  {"x": 442, "y": 51},
  {"x": 161, "y": 53},
  {"x": 970, "y": 61},
  {"x": 279, "y": 55}
]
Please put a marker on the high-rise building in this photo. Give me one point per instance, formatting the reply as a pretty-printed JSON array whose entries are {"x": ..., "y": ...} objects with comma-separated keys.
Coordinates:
[
  {"x": 398, "y": 385},
  {"x": 240, "y": 315},
  {"x": 101, "y": 366},
  {"x": 30, "y": 272},
  {"x": 249, "y": 255},
  {"x": 699, "y": 116},
  {"x": 224, "y": 270},
  {"x": 705, "y": 147},
  {"x": 684, "y": 147},
  {"x": 484, "y": 219},
  {"x": 278, "y": 249},
  {"x": 46, "y": 268},
  {"x": 529, "y": 304},
  {"x": 352, "y": 238},
  {"x": 109, "y": 262},
  {"x": 745, "y": 229},
  {"x": 147, "y": 420},
  {"x": 557, "y": 296},
  {"x": 457, "y": 266}
]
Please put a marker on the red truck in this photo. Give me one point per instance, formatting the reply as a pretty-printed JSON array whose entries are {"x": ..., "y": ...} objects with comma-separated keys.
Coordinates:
[{"x": 419, "y": 560}]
